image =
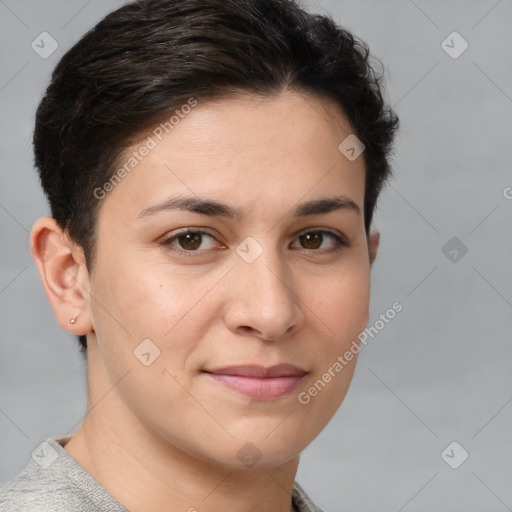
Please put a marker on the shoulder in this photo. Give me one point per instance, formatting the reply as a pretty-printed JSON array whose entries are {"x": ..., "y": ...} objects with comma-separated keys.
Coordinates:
[
  {"x": 302, "y": 501},
  {"x": 35, "y": 489},
  {"x": 53, "y": 481}
]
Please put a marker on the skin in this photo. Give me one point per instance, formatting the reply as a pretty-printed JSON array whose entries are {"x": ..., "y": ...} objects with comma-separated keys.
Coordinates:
[{"x": 166, "y": 436}]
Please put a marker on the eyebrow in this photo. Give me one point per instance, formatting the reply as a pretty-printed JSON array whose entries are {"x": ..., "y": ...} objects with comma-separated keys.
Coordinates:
[{"x": 216, "y": 209}]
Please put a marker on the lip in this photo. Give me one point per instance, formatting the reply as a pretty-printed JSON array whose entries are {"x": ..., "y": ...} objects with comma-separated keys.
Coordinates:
[{"x": 259, "y": 382}]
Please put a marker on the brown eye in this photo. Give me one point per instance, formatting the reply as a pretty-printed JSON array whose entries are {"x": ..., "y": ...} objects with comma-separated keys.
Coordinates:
[
  {"x": 189, "y": 241},
  {"x": 312, "y": 240}
]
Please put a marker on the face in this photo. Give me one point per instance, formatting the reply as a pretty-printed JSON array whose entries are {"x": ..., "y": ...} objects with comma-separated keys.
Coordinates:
[{"x": 182, "y": 298}]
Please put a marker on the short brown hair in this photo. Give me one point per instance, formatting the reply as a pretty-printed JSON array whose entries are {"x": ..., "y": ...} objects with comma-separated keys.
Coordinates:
[{"x": 150, "y": 57}]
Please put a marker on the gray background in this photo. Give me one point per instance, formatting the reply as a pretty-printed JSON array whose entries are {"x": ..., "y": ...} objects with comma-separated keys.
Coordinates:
[{"x": 439, "y": 372}]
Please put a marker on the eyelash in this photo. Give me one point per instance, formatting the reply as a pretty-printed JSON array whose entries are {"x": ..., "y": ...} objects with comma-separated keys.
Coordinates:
[{"x": 340, "y": 242}]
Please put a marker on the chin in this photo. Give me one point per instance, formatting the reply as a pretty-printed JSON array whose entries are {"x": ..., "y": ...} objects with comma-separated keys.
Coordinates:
[{"x": 251, "y": 455}]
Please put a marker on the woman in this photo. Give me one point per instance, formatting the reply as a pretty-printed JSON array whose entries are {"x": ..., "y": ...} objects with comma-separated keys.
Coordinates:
[{"x": 212, "y": 170}]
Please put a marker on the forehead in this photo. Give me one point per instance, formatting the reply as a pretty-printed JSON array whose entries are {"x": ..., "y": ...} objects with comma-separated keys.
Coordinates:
[{"x": 255, "y": 150}]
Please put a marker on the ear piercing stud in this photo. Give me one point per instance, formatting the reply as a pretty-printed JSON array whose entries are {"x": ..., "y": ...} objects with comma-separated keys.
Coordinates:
[{"x": 73, "y": 320}]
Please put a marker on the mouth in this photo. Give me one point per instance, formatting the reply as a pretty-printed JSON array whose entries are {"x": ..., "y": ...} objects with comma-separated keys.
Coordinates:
[{"x": 259, "y": 382}]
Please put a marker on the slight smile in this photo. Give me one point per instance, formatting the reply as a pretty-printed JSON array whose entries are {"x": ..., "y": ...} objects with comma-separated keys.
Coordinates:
[{"x": 258, "y": 382}]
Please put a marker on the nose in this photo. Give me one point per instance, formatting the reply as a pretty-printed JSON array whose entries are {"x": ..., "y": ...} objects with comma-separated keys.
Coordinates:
[{"x": 264, "y": 299}]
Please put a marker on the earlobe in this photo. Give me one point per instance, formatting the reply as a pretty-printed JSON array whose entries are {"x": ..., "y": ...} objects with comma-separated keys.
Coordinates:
[
  {"x": 373, "y": 245},
  {"x": 62, "y": 269}
]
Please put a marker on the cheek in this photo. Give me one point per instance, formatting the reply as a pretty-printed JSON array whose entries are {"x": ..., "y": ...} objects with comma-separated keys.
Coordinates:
[
  {"x": 137, "y": 300},
  {"x": 341, "y": 311},
  {"x": 341, "y": 304},
  {"x": 124, "y": 303}
]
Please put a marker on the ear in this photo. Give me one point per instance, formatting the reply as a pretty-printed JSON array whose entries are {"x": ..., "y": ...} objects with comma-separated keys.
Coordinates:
[
  {"x": 61, "y": 265},
  {"x": 373, "y": 245}
]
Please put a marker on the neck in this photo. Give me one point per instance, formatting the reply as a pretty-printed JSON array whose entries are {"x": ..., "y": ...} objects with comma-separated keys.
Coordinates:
[{"x": 145, "y": 472}]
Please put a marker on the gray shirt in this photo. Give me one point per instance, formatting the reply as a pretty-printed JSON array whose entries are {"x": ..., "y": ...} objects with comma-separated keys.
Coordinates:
[{"x": 53, "y": 481}]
